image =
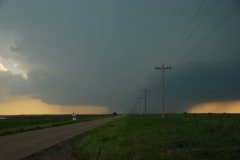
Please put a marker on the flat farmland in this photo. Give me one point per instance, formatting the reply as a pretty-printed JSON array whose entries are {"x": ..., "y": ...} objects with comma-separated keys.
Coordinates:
[
  {"x": 177, "y": 136},
  {"x": 21, "y": 123}
]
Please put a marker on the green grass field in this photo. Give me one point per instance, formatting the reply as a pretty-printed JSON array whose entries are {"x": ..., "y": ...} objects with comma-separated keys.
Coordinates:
[
  {"x": 178, "y": 136},
  {"x": 21, "y": 123}
]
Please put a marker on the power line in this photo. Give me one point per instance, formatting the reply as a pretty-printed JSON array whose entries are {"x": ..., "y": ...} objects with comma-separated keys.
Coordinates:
[
  {"x": 198, "y": 25},
  {"x": 173, "y": 50},
  {"x": 216, "y": 28}
]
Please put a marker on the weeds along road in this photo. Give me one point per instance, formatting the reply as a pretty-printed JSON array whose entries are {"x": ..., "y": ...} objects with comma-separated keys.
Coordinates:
[{"x": 21, "y": 145}]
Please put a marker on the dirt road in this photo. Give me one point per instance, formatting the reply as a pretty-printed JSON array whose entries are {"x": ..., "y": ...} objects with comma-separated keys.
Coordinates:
[{"x": 18, "y": 146}]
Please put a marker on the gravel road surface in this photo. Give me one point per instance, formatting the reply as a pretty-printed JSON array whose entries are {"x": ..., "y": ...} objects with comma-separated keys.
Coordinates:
[{"x": 20, "y": 145}]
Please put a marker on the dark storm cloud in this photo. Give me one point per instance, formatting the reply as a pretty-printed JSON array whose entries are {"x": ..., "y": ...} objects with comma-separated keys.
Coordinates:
[
  {"x": 197, "y": 83},
  {"x": 103, "y": 53},
  {"x": 2, "y": 2}
]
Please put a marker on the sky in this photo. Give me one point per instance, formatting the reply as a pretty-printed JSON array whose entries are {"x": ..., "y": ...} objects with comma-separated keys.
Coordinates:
[{"x": 91, "y": 56}]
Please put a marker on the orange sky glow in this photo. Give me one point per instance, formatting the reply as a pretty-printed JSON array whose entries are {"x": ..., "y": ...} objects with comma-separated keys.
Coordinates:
[
  {"x": 28, "y": 105},
  {"x": 216, "y": 107}
]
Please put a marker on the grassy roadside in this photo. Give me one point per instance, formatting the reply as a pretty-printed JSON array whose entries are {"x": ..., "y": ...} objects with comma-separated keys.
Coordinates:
[
  {"x": 144, "y": 137},
  {"x": 21, "y": 123}
]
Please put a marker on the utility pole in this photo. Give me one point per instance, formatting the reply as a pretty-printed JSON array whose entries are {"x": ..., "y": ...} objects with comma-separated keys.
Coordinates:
[
  {"x": 145, "y": 95},
  {"x": 163, "y": 68},
  {"x": 136, "y": 105},
  {"x": 139, "y": 104}
]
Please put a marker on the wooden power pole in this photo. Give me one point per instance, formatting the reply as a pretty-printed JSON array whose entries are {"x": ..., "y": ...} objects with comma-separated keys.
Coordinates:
[
  {"x": 139, "y": 104},
  {"x": 163, "y": 68},
  {"x": 145, "y": 96}
]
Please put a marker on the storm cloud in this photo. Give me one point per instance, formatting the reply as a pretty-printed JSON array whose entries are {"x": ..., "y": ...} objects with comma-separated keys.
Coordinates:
[{"x": 104, "y": 52}]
